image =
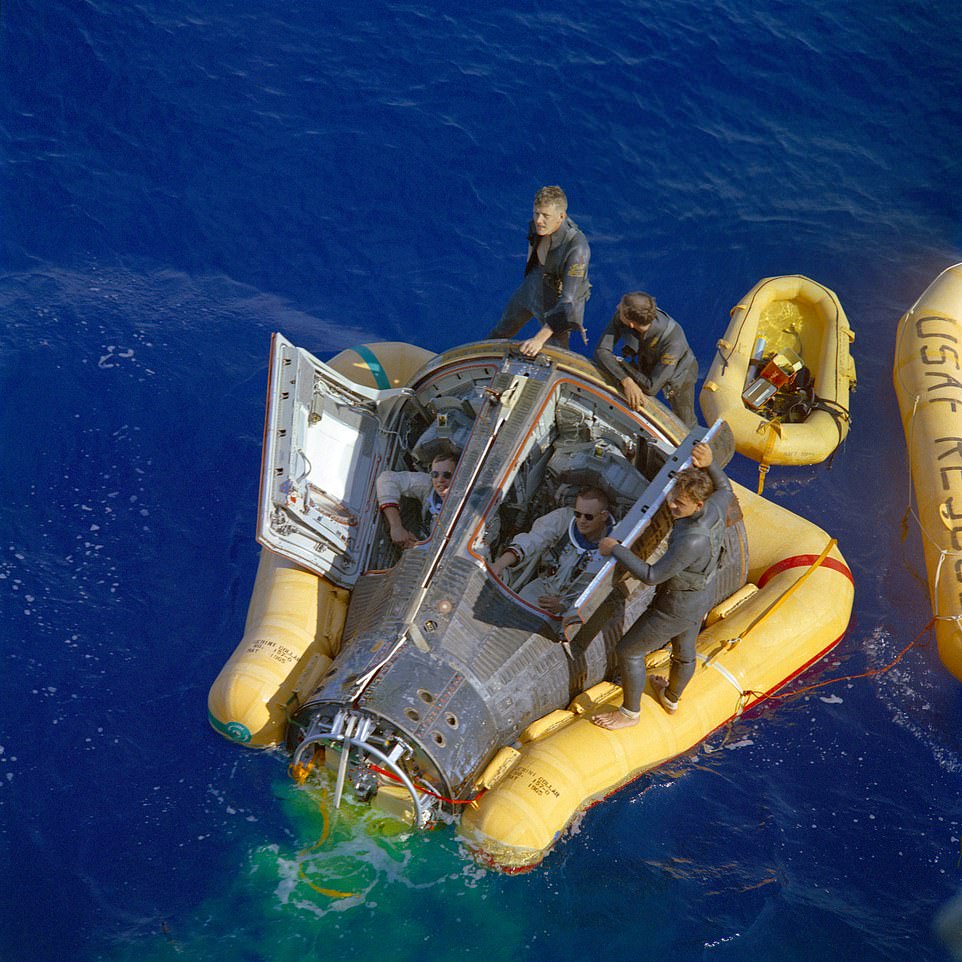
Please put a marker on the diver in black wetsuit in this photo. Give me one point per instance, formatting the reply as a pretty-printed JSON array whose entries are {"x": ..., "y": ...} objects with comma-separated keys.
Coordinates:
[
  {"x": 685, "y": 576},
  {"x": 555, "y": 286},
  {"x": 656, "y": 356}
]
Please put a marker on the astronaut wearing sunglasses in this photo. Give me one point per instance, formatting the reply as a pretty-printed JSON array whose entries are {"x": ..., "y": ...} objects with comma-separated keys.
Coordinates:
[
  {"x": 563, "y": 548},
  {"x": 429, "y": 489}
]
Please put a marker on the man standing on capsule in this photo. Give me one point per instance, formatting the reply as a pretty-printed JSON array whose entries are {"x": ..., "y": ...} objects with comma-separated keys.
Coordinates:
[
  {"x": 555, "y": 285},
  {"x": 685, "y": 576}
]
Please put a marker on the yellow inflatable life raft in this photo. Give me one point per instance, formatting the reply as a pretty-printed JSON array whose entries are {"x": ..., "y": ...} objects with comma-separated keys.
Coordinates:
[
  {"x": 795, "y": 609},
  {"x": 927, "y": 374},
  {"x": 779, "y": 414}
]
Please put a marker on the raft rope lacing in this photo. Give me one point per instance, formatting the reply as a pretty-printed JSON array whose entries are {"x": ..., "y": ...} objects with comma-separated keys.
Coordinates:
[{"x": 750, "y": 696}]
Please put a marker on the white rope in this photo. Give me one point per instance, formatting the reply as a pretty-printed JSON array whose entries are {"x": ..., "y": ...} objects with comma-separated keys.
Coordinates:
[
  {"x": 935, "y": 585},
  {"x": 726, "y": 674},
  {"x": 915, "y": 407}
]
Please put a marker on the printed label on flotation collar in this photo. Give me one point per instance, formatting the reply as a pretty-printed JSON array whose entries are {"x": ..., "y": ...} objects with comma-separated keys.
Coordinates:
[
  {"x": 939, "y": 353},
  {"x": 273, "y": 650},
  {"x": 537, "y": 784},
  {"x": 944, "y": 385}
]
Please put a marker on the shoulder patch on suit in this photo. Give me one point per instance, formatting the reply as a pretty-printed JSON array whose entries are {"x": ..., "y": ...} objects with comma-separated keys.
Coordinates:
[
  {"x": 668, "y": 359},
  {"x": 577, "y": 270}
]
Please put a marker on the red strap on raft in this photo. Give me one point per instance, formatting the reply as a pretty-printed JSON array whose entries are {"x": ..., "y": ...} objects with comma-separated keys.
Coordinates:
[{"x": 803, "y": 561}]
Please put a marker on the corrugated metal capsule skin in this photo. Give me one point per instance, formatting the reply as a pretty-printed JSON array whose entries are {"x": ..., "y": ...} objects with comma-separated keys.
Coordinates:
[
  {"x": 927, "y": 374},
  {"x": 465, "y": 682}
]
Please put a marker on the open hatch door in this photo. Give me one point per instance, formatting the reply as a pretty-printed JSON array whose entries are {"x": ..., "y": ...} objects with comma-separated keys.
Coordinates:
[{"x": 326, "y": 439}]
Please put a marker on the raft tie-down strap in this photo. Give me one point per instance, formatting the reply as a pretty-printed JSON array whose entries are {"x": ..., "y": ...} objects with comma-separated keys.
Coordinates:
[
  {"x": 727, "y": 675},
  {"x": 762, "y": 471},
  {"x": 774, "y": 433}
]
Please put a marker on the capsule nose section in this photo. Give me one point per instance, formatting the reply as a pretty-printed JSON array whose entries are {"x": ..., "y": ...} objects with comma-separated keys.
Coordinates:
[{"x": 368, "y": 760}]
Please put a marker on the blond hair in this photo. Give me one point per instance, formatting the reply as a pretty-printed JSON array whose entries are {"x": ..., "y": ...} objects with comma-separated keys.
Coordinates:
[{"x": 551, "y": 197}]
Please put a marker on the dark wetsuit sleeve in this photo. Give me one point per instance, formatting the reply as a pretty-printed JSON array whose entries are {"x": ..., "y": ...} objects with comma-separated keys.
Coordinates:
[
  {"x": 574, "y": 284},
  {"x": 682, "y": 553},
  {"x": 723, "y": 495},
  {"x": 653, "y": 382},
  {"x": 670, "y": 351},
  {"x": 605, "y": 356}
]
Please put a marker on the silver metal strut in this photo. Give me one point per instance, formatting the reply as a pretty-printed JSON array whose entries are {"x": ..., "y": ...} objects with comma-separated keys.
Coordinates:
[{"x": 352, "y": 730}]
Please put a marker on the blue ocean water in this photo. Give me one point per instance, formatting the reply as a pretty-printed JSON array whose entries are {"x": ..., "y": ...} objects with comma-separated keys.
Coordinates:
[{"x": 181, "y": 180}]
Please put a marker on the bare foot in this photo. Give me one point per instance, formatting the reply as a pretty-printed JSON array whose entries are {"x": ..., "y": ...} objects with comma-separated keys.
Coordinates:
[
  {"x": 661, "y": 693},
  {"x": 614, "y": 720}
]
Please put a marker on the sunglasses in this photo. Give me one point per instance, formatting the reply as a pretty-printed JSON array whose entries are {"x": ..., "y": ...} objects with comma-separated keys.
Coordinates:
[
  {"x": 587, "y": 517},
  {"x": 442, "y": 474}
]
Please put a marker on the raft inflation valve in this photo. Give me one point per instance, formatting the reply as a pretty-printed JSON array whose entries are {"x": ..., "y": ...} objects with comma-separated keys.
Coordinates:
[{"x": 356, "y": 734}]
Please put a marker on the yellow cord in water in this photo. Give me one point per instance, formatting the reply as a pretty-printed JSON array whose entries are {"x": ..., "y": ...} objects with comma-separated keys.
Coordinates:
[
  {"x": 330, "y": 893},
  {"x": 325, "y": 830}
]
